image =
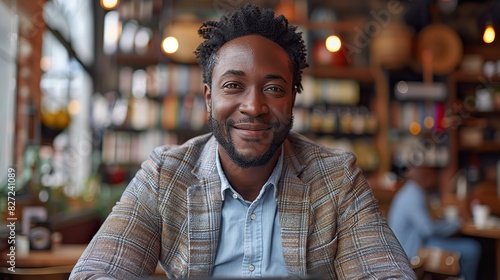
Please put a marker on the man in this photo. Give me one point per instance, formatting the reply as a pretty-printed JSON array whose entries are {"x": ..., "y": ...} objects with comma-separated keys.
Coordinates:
[
  {"x": 411, "y": 221},
  {"x": 251, "y": 199}
]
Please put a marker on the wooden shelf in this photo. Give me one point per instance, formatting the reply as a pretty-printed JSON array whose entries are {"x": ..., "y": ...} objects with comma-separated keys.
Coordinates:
[
  {"x": 467, "y": 77},
  {"x": 136, "y": 60},
  {"x": 491, "y": 114},
  {"x": 485, "y": 147},
  {"x": 361, "y": 74}
]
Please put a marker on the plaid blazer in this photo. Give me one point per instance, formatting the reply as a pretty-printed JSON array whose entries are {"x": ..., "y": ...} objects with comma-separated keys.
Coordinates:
[{"x": 171, "y": 214}]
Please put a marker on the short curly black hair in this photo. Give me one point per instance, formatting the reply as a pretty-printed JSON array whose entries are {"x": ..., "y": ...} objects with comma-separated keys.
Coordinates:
[{"x": 247, "y": 20}]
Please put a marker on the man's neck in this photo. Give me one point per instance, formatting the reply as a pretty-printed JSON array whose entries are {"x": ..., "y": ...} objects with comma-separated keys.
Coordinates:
[{"x": 248, "y": 181}]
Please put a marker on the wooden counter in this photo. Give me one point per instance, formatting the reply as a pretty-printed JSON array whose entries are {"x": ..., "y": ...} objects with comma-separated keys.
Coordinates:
[
  {"x": 493, "y": 233},
  {"x": 63, "y": 255}
]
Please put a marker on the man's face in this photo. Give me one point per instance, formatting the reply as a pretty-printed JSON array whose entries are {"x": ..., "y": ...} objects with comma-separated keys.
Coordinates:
[{"x": 251, "y": 99}]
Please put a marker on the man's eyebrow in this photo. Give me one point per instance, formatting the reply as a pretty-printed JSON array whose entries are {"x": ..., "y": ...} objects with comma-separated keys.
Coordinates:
[
  {"x": 242, "y": 73},
  {"x": 274, "y": 77},
  {"x": 234, "y": 72}
]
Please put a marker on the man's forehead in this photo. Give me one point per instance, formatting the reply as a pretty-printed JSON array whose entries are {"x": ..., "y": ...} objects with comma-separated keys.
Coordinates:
[{"x": 251, "y": 41}]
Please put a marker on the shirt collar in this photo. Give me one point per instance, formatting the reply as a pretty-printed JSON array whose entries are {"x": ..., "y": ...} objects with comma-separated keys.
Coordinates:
[{"x": 272, "y": 181}]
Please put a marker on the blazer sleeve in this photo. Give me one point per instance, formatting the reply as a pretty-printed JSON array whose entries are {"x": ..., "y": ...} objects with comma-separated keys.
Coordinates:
[
  {"x": 367, "y": 247},
  {"x": 128, "y": 243}
]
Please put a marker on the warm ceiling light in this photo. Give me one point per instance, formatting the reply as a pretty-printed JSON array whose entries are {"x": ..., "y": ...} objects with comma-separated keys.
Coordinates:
[
  {"x": 109, "y": 4},
  {"x": 112, "y": 31},
  {"x": 429, "y": 122},
  {"x": 74, "y": 107},
  {"x": 170, "y": 45},
  {"x": 46, "y": 63},
  {"x": 415, "y": 128},
  {"x": 489, "y": 34},
  {"x": 333, "y": 43}
]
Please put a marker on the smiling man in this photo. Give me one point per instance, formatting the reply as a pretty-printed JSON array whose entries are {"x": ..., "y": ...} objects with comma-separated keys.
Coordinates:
[{"x": 251, "y": 199}]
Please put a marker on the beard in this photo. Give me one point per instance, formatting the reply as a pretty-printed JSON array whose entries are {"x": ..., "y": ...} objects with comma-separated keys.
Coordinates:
[{"x": 221, "y": 132}]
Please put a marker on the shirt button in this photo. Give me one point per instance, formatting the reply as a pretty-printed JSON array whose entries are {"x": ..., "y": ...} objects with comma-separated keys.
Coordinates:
[
  {"x": 253, "y": 216},
  {"x": 235, "y": 196},
  {"x": 251, "y": 268}
]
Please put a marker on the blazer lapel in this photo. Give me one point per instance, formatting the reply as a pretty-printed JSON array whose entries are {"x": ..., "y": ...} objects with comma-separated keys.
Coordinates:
[
  {"x": 204, "y": 204},
  {"x": 294, "y": 209},
  {"x": 204, "y": 219}
]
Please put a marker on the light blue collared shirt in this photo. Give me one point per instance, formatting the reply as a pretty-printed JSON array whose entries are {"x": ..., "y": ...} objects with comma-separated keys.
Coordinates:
[{"x": 250, "y": 242}]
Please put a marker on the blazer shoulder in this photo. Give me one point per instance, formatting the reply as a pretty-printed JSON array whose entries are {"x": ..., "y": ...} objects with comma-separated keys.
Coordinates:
[
  {"x": 179, "y": 161},
  {"x": 191, "y": 150},
  {"x": 311, "y": 151}
]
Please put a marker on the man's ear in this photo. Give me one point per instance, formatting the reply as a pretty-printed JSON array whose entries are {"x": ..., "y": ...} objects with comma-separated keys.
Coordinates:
[{"x": 208, "y": 96}]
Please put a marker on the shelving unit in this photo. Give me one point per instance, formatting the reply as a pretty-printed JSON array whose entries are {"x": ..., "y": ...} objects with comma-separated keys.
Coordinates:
[
  {"x": 475, "y": 130},
  {"x": 416, "y": 132},
  {"x": 336, "y": 110},
  {"x": 148, "y": 100}
]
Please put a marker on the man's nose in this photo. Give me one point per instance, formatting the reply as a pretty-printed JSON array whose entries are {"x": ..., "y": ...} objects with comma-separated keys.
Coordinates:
[{"x": 254, "y": 103}]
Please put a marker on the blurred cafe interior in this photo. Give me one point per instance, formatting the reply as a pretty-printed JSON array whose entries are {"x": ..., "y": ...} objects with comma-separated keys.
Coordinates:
[{"x": 90, "y": 87}]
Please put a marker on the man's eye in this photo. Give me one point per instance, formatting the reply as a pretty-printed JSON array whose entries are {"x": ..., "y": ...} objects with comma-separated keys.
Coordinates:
[
  {"x": 231, "y": 85},
  {"x": 276, "y": 89}
]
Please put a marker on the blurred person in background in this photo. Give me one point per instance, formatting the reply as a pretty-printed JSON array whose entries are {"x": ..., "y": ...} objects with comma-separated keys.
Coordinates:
[{"x": 411, "y": 220}]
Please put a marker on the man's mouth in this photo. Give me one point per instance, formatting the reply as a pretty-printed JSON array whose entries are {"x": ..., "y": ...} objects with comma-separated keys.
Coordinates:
[{"x": 252, "y": 126}]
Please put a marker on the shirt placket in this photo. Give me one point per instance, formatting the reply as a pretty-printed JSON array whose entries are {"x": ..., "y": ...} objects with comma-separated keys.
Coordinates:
[{"x": 253, "y": 241}]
